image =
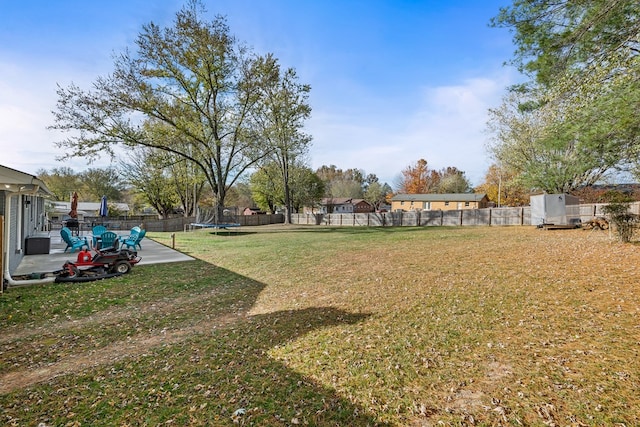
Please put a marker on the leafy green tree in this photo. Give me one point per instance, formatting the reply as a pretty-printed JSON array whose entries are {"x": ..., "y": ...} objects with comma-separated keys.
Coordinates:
[
  {"x": 342, "y": 183},
  {"x": 377, "y": 193},
  {"x": 265, "y": 187},
  {"x": 419, "y": 178},
  {"x": 147, "y": 173},
  {"x": 187, "y": 180},
  {"x": 560, "y": 148},
  {"x": 181, "y": 181},
  {"x": 190, "y": 89},
  {"x": 285, "y": 108},
  {"x": 98, "y": 182},
  {"x": 346, "y": 188},
  {"x": 90, "y": 184},
  {"x": 328, "y": 173},
  {"x": 579, "y": 39},
  {"x": 306, "y": 187},
  {"x": 620, "y": 216},
  {"x": 501, "y": 185},
  {"x": 61, "y": 181},
  {"x": 240, "y": 196},
  {"x": 453, "y": 180},
  {"x": 575, "y": 120}
]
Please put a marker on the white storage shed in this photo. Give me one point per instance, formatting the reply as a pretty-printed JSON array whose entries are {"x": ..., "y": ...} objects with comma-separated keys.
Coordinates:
[{"x": 555, "y": 209}]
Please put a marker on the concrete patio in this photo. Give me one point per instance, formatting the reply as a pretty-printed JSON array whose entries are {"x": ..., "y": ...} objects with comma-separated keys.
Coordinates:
[{"x": 152, "y": 252}]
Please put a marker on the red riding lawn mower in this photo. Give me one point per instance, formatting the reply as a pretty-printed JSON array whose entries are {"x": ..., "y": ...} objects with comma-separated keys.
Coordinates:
[{"x": 107, "y": 262}]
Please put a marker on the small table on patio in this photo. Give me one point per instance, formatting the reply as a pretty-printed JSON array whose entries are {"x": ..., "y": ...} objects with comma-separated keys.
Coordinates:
[{"x": 75, "y": 226}]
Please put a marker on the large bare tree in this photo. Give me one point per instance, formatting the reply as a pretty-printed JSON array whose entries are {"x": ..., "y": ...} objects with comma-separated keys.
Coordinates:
[
  {"x": 190, "y": 89},
  {"x": 285, "y": 109}
]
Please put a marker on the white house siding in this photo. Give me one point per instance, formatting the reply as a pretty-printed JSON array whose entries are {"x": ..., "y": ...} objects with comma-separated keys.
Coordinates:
[
  {"x": 15, "y": 257},
  {"x": 33, "y": 222}
]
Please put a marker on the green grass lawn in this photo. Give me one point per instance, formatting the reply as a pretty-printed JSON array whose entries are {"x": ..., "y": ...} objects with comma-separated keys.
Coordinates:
[{"x": 281, "y": 325}]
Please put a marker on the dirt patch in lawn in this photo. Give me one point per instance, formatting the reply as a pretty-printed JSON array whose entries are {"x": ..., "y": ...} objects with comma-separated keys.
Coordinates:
[{"x": 131, "y": 347}]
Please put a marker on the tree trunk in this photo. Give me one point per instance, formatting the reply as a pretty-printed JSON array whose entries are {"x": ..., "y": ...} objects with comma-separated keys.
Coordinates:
[{"x": 287, "y": 198}]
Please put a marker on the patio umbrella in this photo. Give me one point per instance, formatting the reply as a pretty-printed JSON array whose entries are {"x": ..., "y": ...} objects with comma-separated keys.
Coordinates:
[
  {"x": 104, "y": 211},
  {"x": 74, "y": 205}
]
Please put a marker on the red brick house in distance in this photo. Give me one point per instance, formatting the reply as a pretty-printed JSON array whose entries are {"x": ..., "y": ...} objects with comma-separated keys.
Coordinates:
[
  {"x": 252, "y": 211},
  {"x": 339, "y": 205}
]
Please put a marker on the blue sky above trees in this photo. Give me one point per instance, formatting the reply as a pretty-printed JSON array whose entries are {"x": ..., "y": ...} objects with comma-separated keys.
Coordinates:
[{"x": 392, "y": 81}]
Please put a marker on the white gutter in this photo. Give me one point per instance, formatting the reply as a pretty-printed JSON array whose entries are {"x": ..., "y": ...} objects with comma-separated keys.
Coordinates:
[
  {"x": 19, "y": 220},
  {"x": 7, "y": 231}
]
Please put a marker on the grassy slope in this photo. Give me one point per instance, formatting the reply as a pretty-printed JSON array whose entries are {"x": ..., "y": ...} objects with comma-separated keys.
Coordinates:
[{"x": 335, "y": 327}]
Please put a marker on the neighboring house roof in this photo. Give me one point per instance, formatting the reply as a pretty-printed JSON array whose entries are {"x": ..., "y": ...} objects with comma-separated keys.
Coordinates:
[
  {"x": 89, "y": 206},
  {"x": 95, "y": 206},
  {"x": 451, "y": 197},
  {"x": 341, "y": 201},
  {"x": 14, "y": 181},
  {"x": 253, "y": 210}
]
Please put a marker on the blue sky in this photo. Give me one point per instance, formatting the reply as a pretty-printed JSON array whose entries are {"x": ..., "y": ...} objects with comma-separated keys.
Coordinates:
[{"x": 392, "y": 81}]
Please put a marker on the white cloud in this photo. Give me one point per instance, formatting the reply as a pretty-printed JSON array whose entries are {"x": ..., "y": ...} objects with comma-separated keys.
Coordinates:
[
  {"x": 450, "y": 129},
  {"x": 444, "y": 125},
  {"x": 447, "y": 128},
  {"x": 27, "y": 97}
]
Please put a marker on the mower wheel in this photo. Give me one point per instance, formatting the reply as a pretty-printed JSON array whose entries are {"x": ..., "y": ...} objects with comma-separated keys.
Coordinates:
[
  {"x": 72, "y": 271},
  {"x": 122, "y": 267}
]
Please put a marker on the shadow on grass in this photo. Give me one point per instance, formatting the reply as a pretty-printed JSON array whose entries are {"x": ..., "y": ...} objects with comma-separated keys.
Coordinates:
[
  {"x": 349, "y": 230},
  {"x": 216, "y": 370},
  {"x": 231, "y": 233}
]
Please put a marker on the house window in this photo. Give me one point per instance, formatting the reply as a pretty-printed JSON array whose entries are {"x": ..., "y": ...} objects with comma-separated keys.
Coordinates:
[
  {"x": 402, "y": 203},
  {"x": 446, "y": 203},
  {"x": 426, "y": 206},
  {"x": 466, "y": 204}
]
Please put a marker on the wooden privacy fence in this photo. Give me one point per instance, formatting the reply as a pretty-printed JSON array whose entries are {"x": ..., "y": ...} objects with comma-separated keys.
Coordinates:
[
  {"x": 514, "y": 216},
  {"x": 171, "y": 224},
  {"x": 463, "y": 217},
  {"x": 182, "y": 223}
]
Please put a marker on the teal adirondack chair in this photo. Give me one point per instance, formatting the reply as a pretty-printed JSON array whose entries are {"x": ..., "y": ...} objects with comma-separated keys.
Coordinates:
[
  {"x": 108, "y": 239},
  {"x": 73, "y": 242},
  {"x": 134, "y": 238},
  {"x": 97, "y": 232}
]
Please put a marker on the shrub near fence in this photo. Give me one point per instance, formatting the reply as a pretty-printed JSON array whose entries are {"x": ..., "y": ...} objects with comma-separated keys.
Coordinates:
[{"x": 464, "y": 217}]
